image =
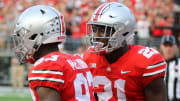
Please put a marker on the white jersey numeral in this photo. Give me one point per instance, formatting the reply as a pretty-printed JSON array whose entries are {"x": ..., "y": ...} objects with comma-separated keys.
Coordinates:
[
  {"x": 119, "y": 85},
  {"x": 107, "y": 94},
  {"x": 52, "y": 58},
  {"x": 82, "y": 85},
  {"x": 148, "y": 52}
]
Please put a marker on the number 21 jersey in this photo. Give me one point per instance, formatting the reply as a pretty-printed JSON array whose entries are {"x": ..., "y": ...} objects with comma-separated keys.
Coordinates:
[{"x": 125, "y": 79}]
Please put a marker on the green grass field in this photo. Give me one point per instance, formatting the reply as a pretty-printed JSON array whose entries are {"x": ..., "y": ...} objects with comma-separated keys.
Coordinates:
[{"x": 15, "y": 96}]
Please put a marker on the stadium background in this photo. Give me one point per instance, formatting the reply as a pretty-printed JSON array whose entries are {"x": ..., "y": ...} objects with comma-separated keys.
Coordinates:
[{"x": 154, "y": 19}]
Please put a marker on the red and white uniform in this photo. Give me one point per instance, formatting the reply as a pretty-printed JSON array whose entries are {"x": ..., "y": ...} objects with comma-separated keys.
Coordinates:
[
  {"x": 125, "y": 79},
  {"x": 67, "y": 74}
]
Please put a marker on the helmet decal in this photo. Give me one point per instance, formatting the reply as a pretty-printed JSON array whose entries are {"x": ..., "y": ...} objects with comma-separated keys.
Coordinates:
[
  {"x": 62, "y": 25},
  {"x": 98, "y": 12}
]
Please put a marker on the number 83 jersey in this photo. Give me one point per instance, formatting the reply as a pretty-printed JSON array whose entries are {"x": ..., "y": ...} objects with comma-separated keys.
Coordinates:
[
  {"x": 125, "y": 79},
  {"x": 67, "y": 74}
]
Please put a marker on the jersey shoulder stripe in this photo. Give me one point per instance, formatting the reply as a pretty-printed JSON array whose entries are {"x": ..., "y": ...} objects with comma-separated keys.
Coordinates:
[
  {"x": 47, "y": 72},
  {"x": 154, "y": 73},
  {"x": 156, "y": 65},
  {"x": 45, "y": 79}
]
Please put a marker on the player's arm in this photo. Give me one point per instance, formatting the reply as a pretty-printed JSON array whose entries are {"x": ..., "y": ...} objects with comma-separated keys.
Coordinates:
[
  {"x": 156, "y": 90},
  {"x": 47, "y": 94},
  {"x": 153, "y": 75}
]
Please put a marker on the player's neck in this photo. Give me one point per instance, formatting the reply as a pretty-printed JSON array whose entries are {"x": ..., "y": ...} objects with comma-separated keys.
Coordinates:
[
  {"x": 116, "y": 54},
  {"x": 44, "y": 50}
]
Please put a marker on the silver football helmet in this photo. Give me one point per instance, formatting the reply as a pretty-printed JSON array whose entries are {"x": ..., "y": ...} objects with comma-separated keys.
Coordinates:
[
  {"x": 116, "y": 22},
  {"x": 37, "y": 25}
]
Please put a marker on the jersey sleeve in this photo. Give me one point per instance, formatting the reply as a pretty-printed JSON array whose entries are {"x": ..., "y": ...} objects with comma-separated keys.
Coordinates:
[
  {"x": 90, "y": 59},
  {"x": 156, "y": 67},
  {"x": 48, "y": 75},
  {"x": 85, "y": 55}
]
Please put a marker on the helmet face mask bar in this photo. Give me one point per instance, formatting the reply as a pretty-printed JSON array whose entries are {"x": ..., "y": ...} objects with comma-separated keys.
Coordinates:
[
  {"x": 100, "y": 36},
  {"x": 24, "y": 48},
  {"x": 19, "y": 49},
  {"x": 116, "y": 22},
  {"x": 110, "y": 39}
]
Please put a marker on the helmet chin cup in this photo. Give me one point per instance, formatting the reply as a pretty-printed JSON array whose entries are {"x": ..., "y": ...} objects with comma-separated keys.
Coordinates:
[
  {"x": 98, "y": 44},
  {"x": 21, "y": 57},
  {"x": 30, "y": 59},
  {"x": 98, "y": 48},
  {"x": 99, "y": 51}
]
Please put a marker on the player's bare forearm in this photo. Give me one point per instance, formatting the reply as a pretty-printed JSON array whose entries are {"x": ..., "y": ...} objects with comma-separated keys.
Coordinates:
[
  {"x": 156, "y": 90},
  {"x": 47, "y": 94}
]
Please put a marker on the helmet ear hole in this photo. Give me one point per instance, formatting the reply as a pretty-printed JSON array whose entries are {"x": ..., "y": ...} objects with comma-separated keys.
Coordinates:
[
  {"x": 41, "y": 34},
  {"x": 124, "y": 34},
  {"x": 32, "y": 37},
  {"x": 113, "y": 30},
  {"x": 42, "y": 11}
]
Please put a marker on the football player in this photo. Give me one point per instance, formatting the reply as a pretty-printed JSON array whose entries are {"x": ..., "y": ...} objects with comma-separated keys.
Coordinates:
[
  {"x": 54, "y": 76},
  {"x": 121, "y": 71}
]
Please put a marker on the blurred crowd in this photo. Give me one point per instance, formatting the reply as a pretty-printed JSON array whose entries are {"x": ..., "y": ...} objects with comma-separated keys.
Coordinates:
[{"x": 148, "y": 13}]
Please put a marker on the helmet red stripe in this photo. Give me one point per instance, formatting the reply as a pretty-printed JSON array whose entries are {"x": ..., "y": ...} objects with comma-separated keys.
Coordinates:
[
  {"x": 98, "y": 11},
  {"x": 62, "y": 25}
]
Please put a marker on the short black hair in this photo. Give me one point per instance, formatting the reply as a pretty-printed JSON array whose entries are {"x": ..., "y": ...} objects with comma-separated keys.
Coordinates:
[{"x": 168, "y": 38}]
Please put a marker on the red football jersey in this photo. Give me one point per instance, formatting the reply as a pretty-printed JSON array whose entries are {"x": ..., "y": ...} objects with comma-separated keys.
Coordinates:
[
  {"x": 67, "y": 74},
  {"x": 125, "y": 79}
]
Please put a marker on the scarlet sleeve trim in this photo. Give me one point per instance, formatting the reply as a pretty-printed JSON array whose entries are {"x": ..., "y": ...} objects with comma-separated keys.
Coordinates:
[
  {"x": 45, "y": 79},
  {"x": 154, "y": 73},
  {"x": 156, "y": 65},
  {"x": 48, "y": 71},
  {"x": 155, "y": 69},
  {"x": 46, "y": 75}
]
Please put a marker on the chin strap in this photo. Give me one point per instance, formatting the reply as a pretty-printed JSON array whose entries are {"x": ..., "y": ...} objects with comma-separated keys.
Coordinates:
[
  {"x": 30, "y": 59},
  {"x": 97, "y": 48},
  {"x": 98, "y": 52}
]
